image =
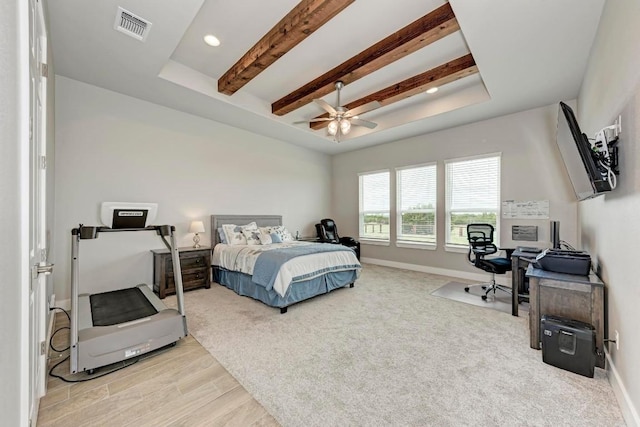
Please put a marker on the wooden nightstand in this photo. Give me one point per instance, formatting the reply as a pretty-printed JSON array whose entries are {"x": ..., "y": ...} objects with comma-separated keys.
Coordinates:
[{"x": 196, "y": 270}]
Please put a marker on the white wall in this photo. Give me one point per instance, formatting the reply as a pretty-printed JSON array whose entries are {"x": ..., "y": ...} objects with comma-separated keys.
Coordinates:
[
  {"x": 110, "y": 147},
  {"x": 531, "y": 169},
  {"x": 610, "y": 226},
  {"x": 12, "y": 389}
]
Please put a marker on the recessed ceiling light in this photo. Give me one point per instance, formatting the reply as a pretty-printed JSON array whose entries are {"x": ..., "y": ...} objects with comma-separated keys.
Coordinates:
[
  {"x": 211, "y": 40},
  {"x": 432, "y": 90}
]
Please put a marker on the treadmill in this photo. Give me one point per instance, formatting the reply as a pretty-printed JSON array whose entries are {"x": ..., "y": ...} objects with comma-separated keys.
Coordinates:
[{"x": 113, "y": 326}]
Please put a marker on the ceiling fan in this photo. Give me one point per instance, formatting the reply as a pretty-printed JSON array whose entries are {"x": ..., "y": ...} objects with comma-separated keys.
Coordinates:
[{"x": 340, "y": 119}]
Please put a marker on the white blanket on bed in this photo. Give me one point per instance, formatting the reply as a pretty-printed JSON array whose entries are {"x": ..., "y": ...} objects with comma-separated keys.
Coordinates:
[{"x": 242, "y": 258}]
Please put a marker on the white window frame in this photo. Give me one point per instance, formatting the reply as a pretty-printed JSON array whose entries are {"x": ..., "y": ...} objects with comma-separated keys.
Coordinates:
[
  {"x": 361, "y": 213},
  {"x": 403, "y": 242},
  {"x": 454, "y": 247}
]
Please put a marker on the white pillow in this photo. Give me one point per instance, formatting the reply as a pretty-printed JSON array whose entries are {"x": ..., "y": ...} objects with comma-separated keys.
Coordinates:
[
  {"x": 251, "y": 234},
  {"x": 265, "y": 238},
  {"x": 234, "y": 233}
]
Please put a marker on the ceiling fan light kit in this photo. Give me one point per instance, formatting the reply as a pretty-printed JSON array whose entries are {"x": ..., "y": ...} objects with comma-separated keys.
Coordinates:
[
  {"x": 332, "y": 128},
  {"x": 340, "y": 119},
  {"x": 345, "y": 126}
]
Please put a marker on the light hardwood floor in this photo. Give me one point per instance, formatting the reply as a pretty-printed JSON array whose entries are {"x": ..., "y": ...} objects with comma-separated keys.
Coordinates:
[{"x": 181, "y": 386}]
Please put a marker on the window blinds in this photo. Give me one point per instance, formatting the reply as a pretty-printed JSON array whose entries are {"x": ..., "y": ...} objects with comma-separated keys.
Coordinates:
[
  {"x": 473, "y": 185},
  {"x": 374, "y": 205},
  {"x": 417, "y": 188},
  {"x": 416, "y": 196}
]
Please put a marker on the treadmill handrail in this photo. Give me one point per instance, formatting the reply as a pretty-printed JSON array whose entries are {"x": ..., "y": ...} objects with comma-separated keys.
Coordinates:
[{"x": 92, "y": 231}]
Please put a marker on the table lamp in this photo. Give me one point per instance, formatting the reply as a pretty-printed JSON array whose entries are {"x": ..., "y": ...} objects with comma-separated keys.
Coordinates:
[{"x": 196, "y": 227}]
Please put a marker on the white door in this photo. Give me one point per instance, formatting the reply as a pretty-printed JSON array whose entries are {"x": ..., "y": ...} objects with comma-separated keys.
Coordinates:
[{"x": 38, "y": 245}]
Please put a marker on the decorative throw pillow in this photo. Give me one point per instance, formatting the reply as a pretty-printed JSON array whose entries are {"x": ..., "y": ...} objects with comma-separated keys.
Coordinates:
[
  {"x": 265, "y": 238},
  {"x": 233, "y": 234},
  {"x": 221, "y": 236},
  {"x": 265, "y": 230},
  {"x": 282, "y": 232},
  {"x": 251, "y": 233}
]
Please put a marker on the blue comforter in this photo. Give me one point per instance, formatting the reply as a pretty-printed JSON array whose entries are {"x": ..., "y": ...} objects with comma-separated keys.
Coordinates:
[{"x": 268, "y": 263}]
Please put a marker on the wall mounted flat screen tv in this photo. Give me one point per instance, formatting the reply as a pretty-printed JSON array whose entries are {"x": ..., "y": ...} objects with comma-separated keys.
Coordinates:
[{"x": 575, "y": 148}]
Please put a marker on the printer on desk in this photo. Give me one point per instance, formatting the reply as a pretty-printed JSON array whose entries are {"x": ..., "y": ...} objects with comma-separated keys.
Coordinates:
[{"x": 564, "y": 261}]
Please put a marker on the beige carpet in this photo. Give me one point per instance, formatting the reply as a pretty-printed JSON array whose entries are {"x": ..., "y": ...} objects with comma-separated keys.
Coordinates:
[
  {"x": 499, "y": 301},
  {"x": 387, "y": 352}
]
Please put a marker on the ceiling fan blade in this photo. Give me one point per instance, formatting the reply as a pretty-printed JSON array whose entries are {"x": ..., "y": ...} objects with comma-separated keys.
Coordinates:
[
  {"x": 325, "y": 106},
  {"x": 365, "y": 123},
  {"x": 320, "y": 119},
  {"x": 364, "y": 108}
]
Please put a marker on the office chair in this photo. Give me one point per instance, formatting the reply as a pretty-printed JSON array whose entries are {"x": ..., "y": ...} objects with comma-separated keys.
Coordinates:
[
  {"x": 327, "y": 232},
  {"x": 481, "y": 244}
]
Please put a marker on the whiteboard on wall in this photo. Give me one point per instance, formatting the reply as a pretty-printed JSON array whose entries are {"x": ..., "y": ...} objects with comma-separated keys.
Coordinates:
[{"x": 525, "y": 209}]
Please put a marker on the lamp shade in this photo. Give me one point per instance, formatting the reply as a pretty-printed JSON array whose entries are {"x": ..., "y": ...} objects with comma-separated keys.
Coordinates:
[{"x": 196, "y": 227}]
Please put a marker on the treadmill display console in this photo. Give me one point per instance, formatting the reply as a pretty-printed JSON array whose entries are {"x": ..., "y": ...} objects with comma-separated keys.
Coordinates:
[{"x": 129, "y": 218}]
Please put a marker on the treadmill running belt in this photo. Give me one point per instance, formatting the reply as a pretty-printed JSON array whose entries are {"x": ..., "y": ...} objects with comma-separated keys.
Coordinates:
[{"x": 124, "y": 305}]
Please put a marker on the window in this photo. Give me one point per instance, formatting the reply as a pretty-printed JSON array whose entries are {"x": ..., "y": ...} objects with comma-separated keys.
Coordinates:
[
  {"x": 472, "y": 195},
  {"x": 374, "y": 206},
  {"x": 416, "y": 201}
]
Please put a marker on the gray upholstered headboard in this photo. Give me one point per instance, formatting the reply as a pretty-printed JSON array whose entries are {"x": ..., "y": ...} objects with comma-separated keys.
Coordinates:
[{"x": 261, "y": 220}]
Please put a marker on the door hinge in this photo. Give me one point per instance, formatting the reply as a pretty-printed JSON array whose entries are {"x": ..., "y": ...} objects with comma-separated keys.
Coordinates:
[
  {"x": 43, "y": 348},
  {"x": 44, "y": 70},
  {"x": 43, "y": 162}
]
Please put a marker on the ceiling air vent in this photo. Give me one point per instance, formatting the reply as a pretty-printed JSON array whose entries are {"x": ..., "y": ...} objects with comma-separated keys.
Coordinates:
[{"x": 132, "y": 25}]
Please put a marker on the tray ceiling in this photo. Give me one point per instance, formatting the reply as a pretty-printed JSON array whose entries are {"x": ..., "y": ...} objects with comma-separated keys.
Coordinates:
[{"x": 488, "y": 59}]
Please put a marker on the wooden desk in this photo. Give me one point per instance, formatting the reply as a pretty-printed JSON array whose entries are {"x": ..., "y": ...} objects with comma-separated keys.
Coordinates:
[
  {"x": 519, "y": 264},
  {"x": 567, "y": 295}
]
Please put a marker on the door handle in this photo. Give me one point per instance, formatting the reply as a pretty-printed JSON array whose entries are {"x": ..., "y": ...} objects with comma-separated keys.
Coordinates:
[{"x": 44, "y": 269}]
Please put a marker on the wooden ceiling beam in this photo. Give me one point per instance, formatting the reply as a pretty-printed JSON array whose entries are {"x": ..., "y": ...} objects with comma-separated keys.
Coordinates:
[
  {"x": 441, "y": 75},
  {"x": 298, "y": 24},
  {"x": 420, "y": 33}
]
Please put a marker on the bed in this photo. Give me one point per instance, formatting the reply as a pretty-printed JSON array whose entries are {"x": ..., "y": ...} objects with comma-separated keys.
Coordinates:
[{"x": 279, "y": 274}]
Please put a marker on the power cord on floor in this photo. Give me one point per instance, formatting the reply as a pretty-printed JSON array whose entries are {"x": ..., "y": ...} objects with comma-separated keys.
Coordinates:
[
  {"x": 51, "y": 340},
  {"x": 67, "y": 380},
  {"x": 62, "y": 310},
  {"x": 58, "y": 330}
]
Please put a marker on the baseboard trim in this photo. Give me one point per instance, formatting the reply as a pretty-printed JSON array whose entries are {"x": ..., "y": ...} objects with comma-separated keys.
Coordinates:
[
  {"x": 629, "y": 412},
  {"x": 477, "y": 277},
  {"x": 64, "y": 304}
]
